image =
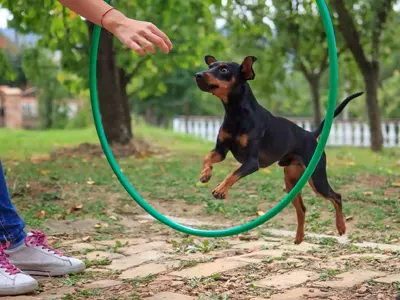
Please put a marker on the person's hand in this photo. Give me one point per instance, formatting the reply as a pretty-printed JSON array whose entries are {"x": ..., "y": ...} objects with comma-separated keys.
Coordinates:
[{"x": 136, "y": 34}]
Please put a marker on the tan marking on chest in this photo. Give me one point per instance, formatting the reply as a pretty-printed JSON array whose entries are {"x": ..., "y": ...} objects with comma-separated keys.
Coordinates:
[
  {"x": 223, "y": 135},
  {"x": 243, "y": 140}
]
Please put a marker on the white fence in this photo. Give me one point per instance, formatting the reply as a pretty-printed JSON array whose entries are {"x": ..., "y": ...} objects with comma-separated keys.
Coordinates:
[{"x": 343, "y": 133}]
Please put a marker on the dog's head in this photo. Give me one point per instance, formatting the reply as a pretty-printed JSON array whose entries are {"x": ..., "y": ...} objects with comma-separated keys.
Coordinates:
[{"x": 222, "y": 77}]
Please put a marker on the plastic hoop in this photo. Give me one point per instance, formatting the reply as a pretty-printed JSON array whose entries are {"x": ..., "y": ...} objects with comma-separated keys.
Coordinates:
[{"x": 333, "y": 67}]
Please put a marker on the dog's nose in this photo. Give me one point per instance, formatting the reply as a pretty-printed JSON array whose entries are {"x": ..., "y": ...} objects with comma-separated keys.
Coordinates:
[{"x": 199, "y": 75}]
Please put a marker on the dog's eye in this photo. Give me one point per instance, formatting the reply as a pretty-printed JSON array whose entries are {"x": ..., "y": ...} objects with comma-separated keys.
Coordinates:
[{"x": 224, "y": 70}]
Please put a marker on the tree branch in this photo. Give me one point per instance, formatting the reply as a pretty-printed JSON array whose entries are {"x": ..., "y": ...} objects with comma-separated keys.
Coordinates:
[
  {"x": 126, "y": 77},
  {"x": 351, "y": 35},
  {"x": 380, "y": 21},
  {"x": 324, "y": 63},
  {"x": 305, "y": 71}
]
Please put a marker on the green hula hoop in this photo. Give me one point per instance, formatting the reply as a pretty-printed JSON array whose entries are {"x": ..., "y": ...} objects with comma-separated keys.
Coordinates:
[{"x": 333, "y": 59}]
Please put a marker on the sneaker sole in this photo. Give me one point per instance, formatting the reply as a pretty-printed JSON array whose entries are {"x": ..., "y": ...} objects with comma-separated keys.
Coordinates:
[
  {"x": 21, "y": 289},
  {"x": 56, "y": 271}
]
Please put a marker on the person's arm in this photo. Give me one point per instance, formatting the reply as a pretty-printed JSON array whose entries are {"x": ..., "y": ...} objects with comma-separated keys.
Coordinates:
[{"x": 132, "y": 33}]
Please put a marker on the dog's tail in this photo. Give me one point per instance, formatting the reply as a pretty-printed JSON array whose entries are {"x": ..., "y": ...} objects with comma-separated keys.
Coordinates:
[{"x": 338, "y": 110}]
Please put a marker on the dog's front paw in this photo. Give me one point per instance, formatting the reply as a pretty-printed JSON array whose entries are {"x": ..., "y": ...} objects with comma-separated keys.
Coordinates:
[
  {"x": 205, "y": 175},
  {"x": 221, "y": 192}
]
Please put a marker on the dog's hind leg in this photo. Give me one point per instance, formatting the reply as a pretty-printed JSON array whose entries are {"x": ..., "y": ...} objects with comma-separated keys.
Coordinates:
[
  {"x": 293, "y": 172},
  {"x": 320, "y": 185}
]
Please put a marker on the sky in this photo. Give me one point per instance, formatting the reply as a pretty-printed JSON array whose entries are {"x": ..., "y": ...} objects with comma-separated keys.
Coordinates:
[{"x": 4, "y": 15}]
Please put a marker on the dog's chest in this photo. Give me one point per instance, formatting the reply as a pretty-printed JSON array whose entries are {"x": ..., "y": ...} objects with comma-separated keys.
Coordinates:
[{"x": 239, "y": 147}]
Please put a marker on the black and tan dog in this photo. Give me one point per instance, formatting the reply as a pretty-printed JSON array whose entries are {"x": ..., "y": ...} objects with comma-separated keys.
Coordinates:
[{"x": 257, "y": 138}]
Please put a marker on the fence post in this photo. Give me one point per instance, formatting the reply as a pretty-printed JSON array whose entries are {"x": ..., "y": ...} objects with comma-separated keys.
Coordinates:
[{"x": 342, "y": 133}]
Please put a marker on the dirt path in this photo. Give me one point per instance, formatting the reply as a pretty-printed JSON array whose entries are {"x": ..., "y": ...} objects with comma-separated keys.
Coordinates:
[{"x": 150, "y": 261}]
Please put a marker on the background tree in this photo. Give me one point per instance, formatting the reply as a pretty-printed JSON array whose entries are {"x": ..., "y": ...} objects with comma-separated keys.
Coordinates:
[
  {"x": 39, "y": 66},
  {"x": 62, "y": 30},
  {"x": 7, "y": 70},
  {"x": 363, "y": 30}
]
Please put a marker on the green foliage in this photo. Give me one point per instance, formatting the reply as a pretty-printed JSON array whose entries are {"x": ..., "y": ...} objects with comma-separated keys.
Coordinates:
[
  {"x": 147, "y": 78},
  {"x": 7, "y": 70},
  {"x": 284, "y": 37},
  {"x": 41, "y": 69}
]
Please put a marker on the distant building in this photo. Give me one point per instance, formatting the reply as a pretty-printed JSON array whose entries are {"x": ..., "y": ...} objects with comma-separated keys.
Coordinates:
[
  {"x": 20, "y": 109},
  {"x": 8, "y": 44}
]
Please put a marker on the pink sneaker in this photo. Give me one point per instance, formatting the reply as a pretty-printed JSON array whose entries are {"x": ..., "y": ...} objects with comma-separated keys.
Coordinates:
[
  {"x": 35, "y": 257},
  {"x": 12, "y": 280}
]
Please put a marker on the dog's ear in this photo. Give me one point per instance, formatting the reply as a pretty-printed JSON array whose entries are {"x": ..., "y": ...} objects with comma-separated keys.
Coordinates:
[
  {"x": 247, "y": 68},
  {"x": 209, "y": 59}
]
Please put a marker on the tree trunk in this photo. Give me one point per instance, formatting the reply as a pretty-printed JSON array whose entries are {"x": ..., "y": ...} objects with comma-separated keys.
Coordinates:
[
  {"x": 314, "y": 87},
  {"x": 149, "y": 115},
  {"x": 46, "y": 110},
  {"x": 125, "y": 100},
  {"x": 371, "y": 80},
  {"x": 114, "y": 106}
]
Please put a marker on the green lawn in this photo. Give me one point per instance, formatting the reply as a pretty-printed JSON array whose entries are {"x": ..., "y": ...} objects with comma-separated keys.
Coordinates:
[
  {"x": 22, "y": 144},
  {"x": 366, "y": 180}
]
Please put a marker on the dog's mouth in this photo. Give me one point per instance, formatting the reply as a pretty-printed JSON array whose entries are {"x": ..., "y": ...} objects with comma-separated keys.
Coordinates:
[{"x": 204, "y": 86}]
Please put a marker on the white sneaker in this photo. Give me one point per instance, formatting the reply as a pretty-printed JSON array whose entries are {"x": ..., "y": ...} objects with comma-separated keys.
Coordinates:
[
  {"x": 12, "y": 281},
  {"x": 35, "y": 257}
]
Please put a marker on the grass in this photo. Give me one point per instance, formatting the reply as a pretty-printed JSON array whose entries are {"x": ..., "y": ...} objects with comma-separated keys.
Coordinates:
[
  {"x": 22, "y": 144},
  {"x": 48, "y": 190}
]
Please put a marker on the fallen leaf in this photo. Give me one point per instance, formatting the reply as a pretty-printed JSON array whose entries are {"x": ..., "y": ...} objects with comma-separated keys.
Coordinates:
[
  {"x": 368, "y": 193},
  {"x": 45, "y": 172},
  {"x": 101, "y": 225},
  {"x": 77, "y": 207},
  {"x": 396, "y": 184},
  {"x": 349, "y": 218},
  {"x": 389, "y": 192},
  {"x": 87, "y": 239},
  {"x": 260, "y": 213},
  {"x": 265, "y": 171},
  {"x": 42, "y": 214},
  {"x": 90, "y": 182},
  {"x": 350, "y": 163},
  {"x": 58, "y": 217},
  {"x": 201, "y": 184},
  {"x": 114, "y": 218},
  {"x": 398, "y": 163}
]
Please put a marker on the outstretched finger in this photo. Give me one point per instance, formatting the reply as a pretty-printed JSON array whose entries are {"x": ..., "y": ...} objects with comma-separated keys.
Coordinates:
[
  {"x": 135, "y": 47},
  {"x": 156, "y": 40},
  {"x": 146, "y": 44},
  {"x": 154, "y": 29}
]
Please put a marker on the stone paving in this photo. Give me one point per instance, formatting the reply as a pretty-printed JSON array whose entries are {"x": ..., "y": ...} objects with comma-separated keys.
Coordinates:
[{"x": 266, "y": 268}]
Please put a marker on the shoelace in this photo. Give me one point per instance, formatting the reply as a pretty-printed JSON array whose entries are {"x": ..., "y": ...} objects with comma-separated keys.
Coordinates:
[
  {"x": 4, "y": 262},
  {"x": 38, "y": 239}
]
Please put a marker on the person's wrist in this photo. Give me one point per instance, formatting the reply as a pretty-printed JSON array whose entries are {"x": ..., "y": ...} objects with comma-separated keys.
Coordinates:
[{"x": 112, "y": 20}]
